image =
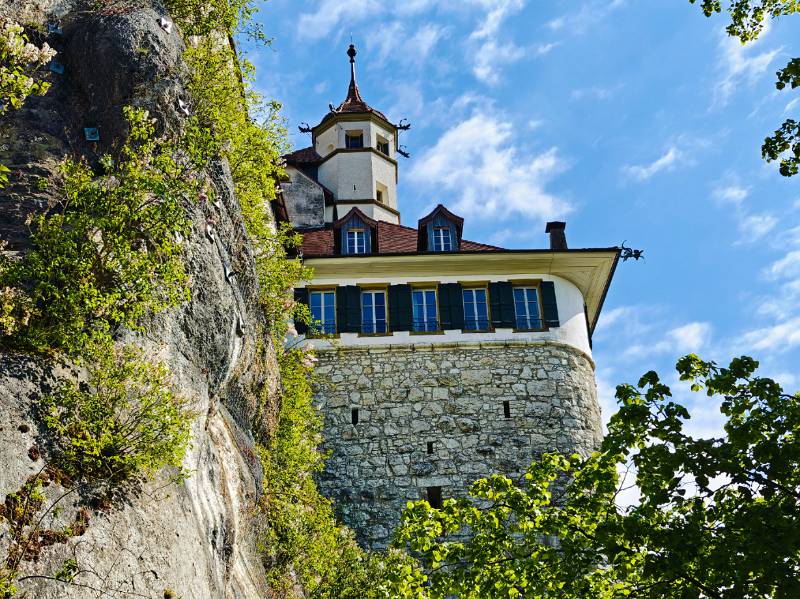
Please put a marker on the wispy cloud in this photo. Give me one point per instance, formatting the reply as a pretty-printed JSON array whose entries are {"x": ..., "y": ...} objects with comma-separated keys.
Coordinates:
[
  {"x": 778, "y": 338},
  {"x": 588, "y": 15},
  {"x": 751, "y": 226},
  {"x": 740, "y": 64},
  {"x": 319, "y": 24},
  {"x": 688, "y": 338},
  {"x": 493, "y": 51},
  {"x": 487, "y": 174},
  {"x": 594, "y": 93},
  {"x": 665, "y": 162},
  {"x": 393, "y": 39}
]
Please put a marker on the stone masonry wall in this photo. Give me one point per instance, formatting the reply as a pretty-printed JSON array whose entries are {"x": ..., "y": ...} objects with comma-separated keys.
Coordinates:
[{"x": 453, "y": 396}]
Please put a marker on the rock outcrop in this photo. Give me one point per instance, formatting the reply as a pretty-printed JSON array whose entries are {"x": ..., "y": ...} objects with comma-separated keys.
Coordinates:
[{"x": 195, "y": 538}]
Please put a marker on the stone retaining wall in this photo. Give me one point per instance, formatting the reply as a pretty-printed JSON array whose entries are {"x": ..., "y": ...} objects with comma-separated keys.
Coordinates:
[{"x": 453, "y": 396}]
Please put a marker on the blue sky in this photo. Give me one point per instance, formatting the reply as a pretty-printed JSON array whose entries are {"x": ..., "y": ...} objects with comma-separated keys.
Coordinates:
[{"x": 631, "y": 120}]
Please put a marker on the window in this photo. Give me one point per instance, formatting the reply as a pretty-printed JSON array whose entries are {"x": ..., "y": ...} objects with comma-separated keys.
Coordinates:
[
  {"x": 430, "y": 447},
  {"x": 373, "y": 312},
  {"x": 441, "y": 239},
  {"x": 356, "y": 241},
  {"x": 434, "y": 497},
  {"x": 379, "y": 196},
  {"x": 354, "y": 139},
  {"x": 383, "y": 145},
  {"x": 323, "y": 311},
  {"x": 476, "y": 310},
  {"x": 424, "y": 310},
  {"x": 354, "y": 416},
  {"x": 526, "y": 308},
  {"x": 507, "y": 409}
]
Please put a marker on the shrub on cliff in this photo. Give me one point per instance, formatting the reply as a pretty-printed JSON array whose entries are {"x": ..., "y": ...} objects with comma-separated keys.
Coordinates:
[{"x": 127, "y": 421}]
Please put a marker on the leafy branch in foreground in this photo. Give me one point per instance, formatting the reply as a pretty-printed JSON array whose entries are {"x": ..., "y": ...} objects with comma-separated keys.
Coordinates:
[
  {"x": 748, "y": 19},
  {"x": 716, "y": 517}
]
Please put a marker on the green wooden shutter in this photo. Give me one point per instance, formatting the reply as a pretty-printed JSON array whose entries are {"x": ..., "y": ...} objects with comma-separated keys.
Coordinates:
[
  {"x": 301, "y": 297},
  {"x": 501, "y": 300},
  {"x": 400, "y": 307},
  {"x": 549, "y": 306},
  {"x": 348, "y": 309},
  {"x": 451, "y": 306}
]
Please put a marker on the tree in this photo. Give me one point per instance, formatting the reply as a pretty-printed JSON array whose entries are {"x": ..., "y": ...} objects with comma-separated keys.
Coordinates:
[
  {"x": 748, "y": 18},
  {"x": 716, "y": 517}
]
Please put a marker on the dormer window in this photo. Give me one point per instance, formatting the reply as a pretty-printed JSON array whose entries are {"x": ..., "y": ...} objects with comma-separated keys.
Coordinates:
[
  {"x": 383, "y": 145},
  {"x": 440, "y": 231},
  {"x": 442, "y": 240},
  {"x": 354, "y": 139},
  {"x": 356, "y": 241}
]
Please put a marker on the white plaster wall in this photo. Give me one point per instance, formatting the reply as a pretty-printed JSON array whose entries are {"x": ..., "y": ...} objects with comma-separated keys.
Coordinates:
[
  {"x": 342, "y": 171},
  {"x": 329, "y": 137},
  {"x": 570, "y": 314},
  {"x": 385, "y": 172}
]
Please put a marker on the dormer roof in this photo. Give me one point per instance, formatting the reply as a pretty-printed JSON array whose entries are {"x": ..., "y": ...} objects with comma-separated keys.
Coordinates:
[{"x": 354, "y": 211}]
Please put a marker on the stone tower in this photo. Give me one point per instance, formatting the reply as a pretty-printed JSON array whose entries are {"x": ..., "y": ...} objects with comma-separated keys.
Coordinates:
[{"x": 441, "y": 360}]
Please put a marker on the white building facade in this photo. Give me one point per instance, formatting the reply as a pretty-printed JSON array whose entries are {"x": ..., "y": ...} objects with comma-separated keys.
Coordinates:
[{"x": 442, "y": 360}]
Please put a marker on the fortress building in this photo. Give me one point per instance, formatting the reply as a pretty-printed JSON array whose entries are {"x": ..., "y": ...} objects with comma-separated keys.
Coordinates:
[{"x": 445, "y": 360}]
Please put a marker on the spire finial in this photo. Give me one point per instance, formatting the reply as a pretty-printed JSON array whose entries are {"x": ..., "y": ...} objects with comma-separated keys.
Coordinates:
[{"x": 351, "y": 52}]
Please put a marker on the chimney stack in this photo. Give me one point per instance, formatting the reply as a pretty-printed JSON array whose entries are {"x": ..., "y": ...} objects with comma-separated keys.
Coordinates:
[{"x": 558, "y": 239}]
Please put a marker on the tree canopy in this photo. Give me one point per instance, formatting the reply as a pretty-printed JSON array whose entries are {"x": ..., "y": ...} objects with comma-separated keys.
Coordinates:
[
  {"x": 748, "y": 19},
  {"x": 716, "y": 517}
]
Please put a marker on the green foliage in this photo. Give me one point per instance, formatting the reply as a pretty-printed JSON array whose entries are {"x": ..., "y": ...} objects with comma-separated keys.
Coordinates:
[
  {"x": 716, "y": 517},
  {"x": 203, "y": 17},
  {"x": 127, "y": 422},
  {"x": 108, "y": 252},
  {"x": 19, "y": 62},
  {"x": 250, "y": 133},
  {"x": 302, "y": 543},
  {"x": 747, "y": 22}
]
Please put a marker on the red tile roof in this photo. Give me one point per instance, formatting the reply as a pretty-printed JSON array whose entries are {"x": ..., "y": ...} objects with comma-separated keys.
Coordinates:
[
  {"x": 304, "y": 156},
  {"x": 392, "y": 239}
]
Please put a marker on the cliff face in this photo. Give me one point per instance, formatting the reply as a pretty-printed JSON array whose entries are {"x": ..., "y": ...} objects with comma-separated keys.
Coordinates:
[{"x": 192, "y": 539}]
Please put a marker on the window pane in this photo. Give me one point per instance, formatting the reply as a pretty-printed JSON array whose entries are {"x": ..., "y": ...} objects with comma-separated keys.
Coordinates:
[
  {"x": 531, "y": 295},
  {"x": 380, "y": 313},
  {"x": 380, "y": 299},
  {"x": 480, "y": 295},
  {"x": 519, "y": 295}
]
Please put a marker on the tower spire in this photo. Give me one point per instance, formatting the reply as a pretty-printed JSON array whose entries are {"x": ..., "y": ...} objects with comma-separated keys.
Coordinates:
[{"x": 353, "y": 95}]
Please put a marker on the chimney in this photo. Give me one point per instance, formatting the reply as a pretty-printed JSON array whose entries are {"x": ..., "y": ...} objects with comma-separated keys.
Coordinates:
[{"x": 558, "y": 240}]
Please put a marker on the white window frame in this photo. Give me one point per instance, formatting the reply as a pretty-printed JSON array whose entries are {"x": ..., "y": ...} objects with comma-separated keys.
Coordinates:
[
  {"x": 475, "y": 316},
  {"x": 425, "y": 320},
  {"x": 358, "y": 234},
  {"x": 374, "y": 321},
  {"x": 320, "y": 325},
  {"x": 439, "y": 239},
  {"x": 528, "y": 316}
]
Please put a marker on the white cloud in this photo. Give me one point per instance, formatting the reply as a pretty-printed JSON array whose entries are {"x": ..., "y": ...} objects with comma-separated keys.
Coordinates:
[
  {"x": 589, "y": 15},
  {"x": 732, "y": 194},
  {"x": 476, "y": 160},
  {"x": 792, "y": 105},
  {"x": 542, "y": 49},
  {"x": 330, "y": 13},
  {"x": 492, "y": 53},
  {"x": 394, "y": 40},
  {"x": 751, "y": 226},
  {"x": 740, "y": 64},
  {"x": 689, "y": 338},
  {"x": 779, "y": 337},
  {"x": 491, "y": 56},
  {"x": 788, "y": 266},
  {"x": 665, "y": 162}
]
